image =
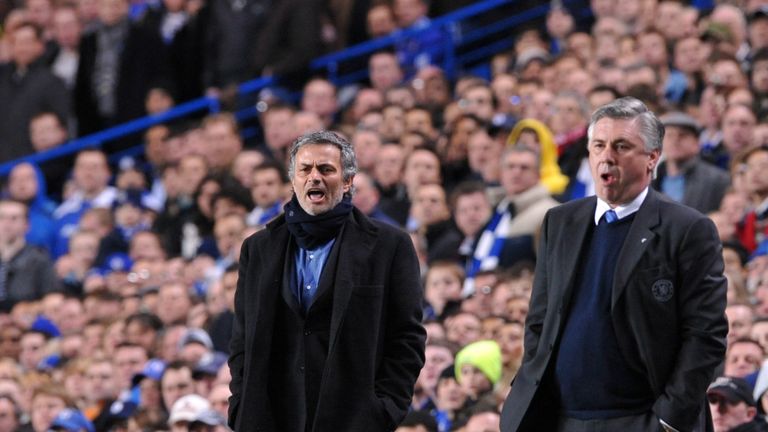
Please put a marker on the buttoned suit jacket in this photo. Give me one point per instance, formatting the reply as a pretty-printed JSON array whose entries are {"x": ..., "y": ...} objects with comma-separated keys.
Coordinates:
[
  {"x": 667, "y": 308},
  {"x": 376, "y": 340}
]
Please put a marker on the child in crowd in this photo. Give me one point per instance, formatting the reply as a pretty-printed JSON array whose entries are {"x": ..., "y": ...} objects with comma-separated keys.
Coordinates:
[
  {"x": 442, "y": 286},
  {"x": 268, "y": 193},
  {"x": 478, "y": 368}
]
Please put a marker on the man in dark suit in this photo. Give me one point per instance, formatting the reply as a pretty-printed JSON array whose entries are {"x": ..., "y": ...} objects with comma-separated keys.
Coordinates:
[
  {"x": 683, "y": 175},
  {"x": 119, "y": 63},
  {"x": 626, "y": 322},
  {"x": 327, "y": 332},
  {"x": 27, "y": 87}
]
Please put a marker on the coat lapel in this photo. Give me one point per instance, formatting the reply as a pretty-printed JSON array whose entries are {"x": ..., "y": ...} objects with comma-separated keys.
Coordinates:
[
  {"x": 568, "y": 257},
  {"x": 280, "y": 264},
  {"x": 357, "y": 242},
  {"x": 639, "y": 237}
]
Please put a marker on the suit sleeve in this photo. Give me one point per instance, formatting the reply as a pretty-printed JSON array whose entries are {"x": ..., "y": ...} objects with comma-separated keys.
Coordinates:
[
  {"x": 237, "y": 343},
  {"x": 82, "y": 96},
  {"x": 703, "y": 326},
  {"x": 537, "y": 309},
  {"x": 404, "y": 336}
]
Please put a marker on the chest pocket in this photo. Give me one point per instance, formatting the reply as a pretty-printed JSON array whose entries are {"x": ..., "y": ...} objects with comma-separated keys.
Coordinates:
[{"x": 655, "y": 288}]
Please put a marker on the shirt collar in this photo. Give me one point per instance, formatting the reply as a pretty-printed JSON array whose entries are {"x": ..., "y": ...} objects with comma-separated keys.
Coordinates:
[{"x": 622, "y": 211}]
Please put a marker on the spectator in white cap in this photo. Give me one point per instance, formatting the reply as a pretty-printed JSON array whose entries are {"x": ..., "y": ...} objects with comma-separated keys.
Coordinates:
[
  {"x": 185, "y": 411},
  {"x": 208, "y": 421}
]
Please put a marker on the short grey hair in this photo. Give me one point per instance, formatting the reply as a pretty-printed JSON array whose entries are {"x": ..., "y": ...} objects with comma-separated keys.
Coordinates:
[
  {"x": 583, "y": 103},
  {"x": 628, "y": 108},
  {"x": 348, "y": 160},
  {"x": 520, "y": 148}
]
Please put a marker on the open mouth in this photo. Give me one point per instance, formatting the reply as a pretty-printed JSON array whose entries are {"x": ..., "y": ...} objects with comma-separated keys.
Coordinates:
[
  {"x": 315, "y": 195},
  {"x": 607, "y": 178}
]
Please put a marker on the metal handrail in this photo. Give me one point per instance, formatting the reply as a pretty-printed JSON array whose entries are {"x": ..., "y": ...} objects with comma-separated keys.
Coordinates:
[{"x": 328, "y": 64}]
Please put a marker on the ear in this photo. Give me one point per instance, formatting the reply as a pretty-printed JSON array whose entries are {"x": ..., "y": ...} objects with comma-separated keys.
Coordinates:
[
  {"x": 653, "y": 159},
  {"x": 348, "y": 184}
]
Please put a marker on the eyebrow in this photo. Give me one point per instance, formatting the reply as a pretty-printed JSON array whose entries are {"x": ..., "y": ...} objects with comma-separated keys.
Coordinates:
[
  {"x": 616, "y": 141},
  {"x": 319, "y": 164},
  {"x": 623, "y": 141}
]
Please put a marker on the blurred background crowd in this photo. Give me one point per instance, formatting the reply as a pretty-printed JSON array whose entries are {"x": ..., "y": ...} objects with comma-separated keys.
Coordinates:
[{"x": 117, "y": 277}]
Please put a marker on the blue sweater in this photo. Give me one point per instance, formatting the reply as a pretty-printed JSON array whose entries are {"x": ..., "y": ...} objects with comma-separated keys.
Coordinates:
[{"x": 593, "y": 379}]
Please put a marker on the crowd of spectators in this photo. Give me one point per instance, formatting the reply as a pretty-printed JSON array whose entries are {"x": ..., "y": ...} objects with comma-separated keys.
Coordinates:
[
  {"x": 117, "y": 281},
  {"x": 74, "y": 67}
]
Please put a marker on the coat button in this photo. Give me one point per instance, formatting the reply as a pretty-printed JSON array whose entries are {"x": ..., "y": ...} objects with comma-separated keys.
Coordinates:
[
  {"x": 301, "y": 369},
  {"x": 307, "y": 332}
]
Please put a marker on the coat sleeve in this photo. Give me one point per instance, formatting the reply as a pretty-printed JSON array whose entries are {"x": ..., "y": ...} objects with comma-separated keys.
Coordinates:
[
  {"x": 405, "y": 336},
  {"x": 703, "y": 326},
  {"x": 237, "y": 342},
  {"x": 537, "y": 309}
]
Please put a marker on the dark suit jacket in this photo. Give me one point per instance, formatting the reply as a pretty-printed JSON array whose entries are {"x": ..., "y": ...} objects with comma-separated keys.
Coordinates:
[
  {"x": 143, "y": 65},
  {"x": 668, "y": 309},
  {"x": 289, "y": 40},
  {"x": 376, "y": 341},
  {"x": 185, "y": 51},
  {"x": 705, "y": 184},
  {"x": 21, "y": 98}
]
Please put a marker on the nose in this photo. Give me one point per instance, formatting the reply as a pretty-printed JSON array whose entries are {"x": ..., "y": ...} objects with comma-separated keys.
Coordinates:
[
  {"x": 314, "y": 175},
  {"x": 608, "y": 153},
  {"x": 722, "y": 407}
]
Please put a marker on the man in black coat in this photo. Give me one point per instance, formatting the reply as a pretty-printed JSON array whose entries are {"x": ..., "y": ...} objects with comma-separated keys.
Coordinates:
[
  {"x": 327, "y": 332},
  {"x": 231, "y": 29},
  {"x": 27, "y": 88},
  {"x": 119, "y": 63},
  {"x": 26, "y": 272},
  {"x": 626, "y": 323}
]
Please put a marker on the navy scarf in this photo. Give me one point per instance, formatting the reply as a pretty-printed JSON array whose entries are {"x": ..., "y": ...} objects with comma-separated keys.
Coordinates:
[{"x": 313, "y": 231}]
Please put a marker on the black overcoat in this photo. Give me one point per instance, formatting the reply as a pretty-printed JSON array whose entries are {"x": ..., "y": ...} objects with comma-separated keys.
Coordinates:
[{"x": 375, "y": 338}]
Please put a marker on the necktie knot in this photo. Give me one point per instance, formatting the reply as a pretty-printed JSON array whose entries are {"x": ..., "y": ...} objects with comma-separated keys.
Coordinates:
[{"x": 611, "y": 216}]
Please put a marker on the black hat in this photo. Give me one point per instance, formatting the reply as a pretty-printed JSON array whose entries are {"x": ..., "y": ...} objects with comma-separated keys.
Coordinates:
[
  {"x": 449, "y": 372},
  {"x": 761, "y": 12},
  {"x": 734, "y": 390},
  {"x": 680, "y": 119}
]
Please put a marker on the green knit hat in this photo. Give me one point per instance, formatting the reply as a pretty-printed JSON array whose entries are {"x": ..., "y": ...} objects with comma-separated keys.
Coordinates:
[{"x": 484, "y": 355}]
